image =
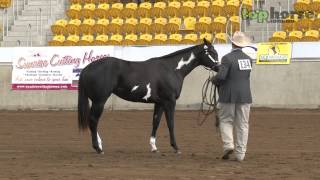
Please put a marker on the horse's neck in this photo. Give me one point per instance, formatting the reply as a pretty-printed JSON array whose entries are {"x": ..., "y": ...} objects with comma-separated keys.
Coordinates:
[{"x": 184, "y": 66}]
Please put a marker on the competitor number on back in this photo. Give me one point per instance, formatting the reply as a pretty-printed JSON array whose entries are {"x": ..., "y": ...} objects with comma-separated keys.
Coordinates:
[{"x": 244, "y": 64}]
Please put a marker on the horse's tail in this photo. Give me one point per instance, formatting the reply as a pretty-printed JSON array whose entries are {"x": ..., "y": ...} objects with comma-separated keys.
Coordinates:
[{"x": 83, "y": 106}]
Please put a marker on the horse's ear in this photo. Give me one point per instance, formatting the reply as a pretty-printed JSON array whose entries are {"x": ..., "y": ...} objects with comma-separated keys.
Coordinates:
[{"x": 205, "y": 41}]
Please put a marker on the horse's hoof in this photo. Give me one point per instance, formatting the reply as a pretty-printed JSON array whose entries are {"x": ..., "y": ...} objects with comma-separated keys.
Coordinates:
[
  {"x": 155, "y": 151},
  {"x": 178, "y": 152}
]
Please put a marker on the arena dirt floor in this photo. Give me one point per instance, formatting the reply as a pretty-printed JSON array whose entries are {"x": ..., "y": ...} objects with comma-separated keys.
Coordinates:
[{"x": 283, "y": 144}]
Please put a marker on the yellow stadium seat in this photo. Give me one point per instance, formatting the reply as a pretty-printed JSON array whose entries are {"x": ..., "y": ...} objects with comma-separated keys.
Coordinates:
[
  {"x": 158, "y": 25},
  {"x": 175, "y": 38},
  {"x": 189, "y": 23},
  {"x": 75, "y": 1},
  {"x": 130, "y": 39},
  {"x": 74, "y": 11},
  {"x": 248, "y": 4},
  {"x": 289, "y": 23},
  {"x": 202, "y": 8},
  {"x": 278, "y": 36},
  {"x": 87, "y": 26},
  {"x": 173, "y": 9},
  {"x": 102, "y": 1},
  {"x": 311, "y": 35},
  {"x": 101, "y": 40},
  {"x": 221, "y": 38},
  {"x": 234, "y": 24},
  {"x": 203, "y": 24},
  {"x": 294, "y": 36},
  {"x": 115, "y": 39},
  {"x": 59, "y": 27},
  {"x": 232, "y": 7},
  {"x": 173, "y": 25},
  {"x": 72, "y": 40},
  {"x": 144, "y": 9},
  {"x": 57, "y": 40},
  {"x": 88, "y": 10},
  {"x": 101, "y": 26},
  {"x": 301, "y": 5},
  {"x": 159, "y": 39},
  {"x": 217, "y": 7},
  {"x": 187, "y": 8},
  {"x": 218, "y": 24},
  {"x": 73, "y": 26},
  {"x": 89, "y": 1},
  {"x": 129, "y": 25},
  {"x": 303, "y": 24},
  {"x": 115, "y": 10},
  {"x": 144, "y": 25},
  {"x": 189, "y": 39},
  {"x": 129, "y": 10},
  {"x": 158, "y": 9},
  {"x": 115, "y": 25},
  {"x": 102, "y": 10},
  {"x": 207, "y": 36},
  {"x": 316, "y": 23},
  {"x": 315, "y": 6},
  {"x": 86, "y": 40},
  {"x": 144, "y": 39}
]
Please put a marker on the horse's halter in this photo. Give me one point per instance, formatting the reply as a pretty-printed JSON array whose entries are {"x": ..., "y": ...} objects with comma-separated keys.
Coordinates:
[{"x": 205, "y": 47}]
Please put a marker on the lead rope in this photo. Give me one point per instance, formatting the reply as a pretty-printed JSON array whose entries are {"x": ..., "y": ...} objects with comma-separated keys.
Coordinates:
[{"x": 209, "y": 98}]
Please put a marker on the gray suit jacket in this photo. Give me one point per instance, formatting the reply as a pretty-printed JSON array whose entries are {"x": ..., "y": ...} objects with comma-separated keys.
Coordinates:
[{"x": 234, "y": 83}]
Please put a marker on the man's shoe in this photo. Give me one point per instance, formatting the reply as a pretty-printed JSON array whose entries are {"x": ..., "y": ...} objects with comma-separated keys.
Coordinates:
[{"x": 226, "y": 154}]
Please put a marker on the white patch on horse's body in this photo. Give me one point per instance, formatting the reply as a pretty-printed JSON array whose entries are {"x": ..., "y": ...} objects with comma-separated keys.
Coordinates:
[
  {"x": 148, "y": 92},
  {"x": 182, "y": 62},
  {"x": 99, "y": 141},
  {"x": 134, "y": 88},
  {"x": 153, "y": 144}
]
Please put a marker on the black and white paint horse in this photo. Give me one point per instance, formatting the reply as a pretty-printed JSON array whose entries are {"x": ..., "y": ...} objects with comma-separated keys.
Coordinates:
[{"x": 157, "y": 80}]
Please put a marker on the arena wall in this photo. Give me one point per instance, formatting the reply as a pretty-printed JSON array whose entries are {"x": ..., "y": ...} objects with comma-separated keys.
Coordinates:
[{"x": 276, "y": 86}]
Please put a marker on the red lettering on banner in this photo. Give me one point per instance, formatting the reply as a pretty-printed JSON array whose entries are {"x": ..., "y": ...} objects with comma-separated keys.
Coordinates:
[
  {"x": 24, "y": 64},
  {"x": 65, "y": 60},
  {"x": 90, "y": 58}
]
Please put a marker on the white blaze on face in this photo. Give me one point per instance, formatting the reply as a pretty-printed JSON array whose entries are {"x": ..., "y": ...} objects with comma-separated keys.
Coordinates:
[
  {"x": 153, "y": 144},
  {"x": 148, "y": 92},
  {"x": 182, "y": 63},
  {"x": 134, "y": 88},
  {"x": 99, "y": 141}
]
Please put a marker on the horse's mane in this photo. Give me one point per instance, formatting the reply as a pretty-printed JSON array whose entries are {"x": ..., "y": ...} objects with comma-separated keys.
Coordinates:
[{"x": 181, "y": 51}]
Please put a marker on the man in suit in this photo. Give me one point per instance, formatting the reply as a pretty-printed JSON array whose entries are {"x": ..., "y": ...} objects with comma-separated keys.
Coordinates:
[{"x": 233, "y": 81}]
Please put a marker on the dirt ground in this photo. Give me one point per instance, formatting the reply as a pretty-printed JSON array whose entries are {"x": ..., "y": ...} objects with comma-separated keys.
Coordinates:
[{"x": 283, "y": 144}]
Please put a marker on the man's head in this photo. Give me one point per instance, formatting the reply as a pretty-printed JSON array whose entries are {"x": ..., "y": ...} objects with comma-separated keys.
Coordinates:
[{"x": 240, "y": 40}]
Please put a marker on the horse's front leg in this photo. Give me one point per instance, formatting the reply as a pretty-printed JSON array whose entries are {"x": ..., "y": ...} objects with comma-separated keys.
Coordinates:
[
  {"x": 157, "y": 114},
  {"x": 169, "y": 112},
  {"x": 95, "y": 113}
]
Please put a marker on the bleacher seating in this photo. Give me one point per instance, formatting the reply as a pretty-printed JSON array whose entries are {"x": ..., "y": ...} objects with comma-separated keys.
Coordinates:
[
  {"x": 5, "y": 3},
  {"x": 304, "y": 26},
  {"x": 110, "y": 22}
]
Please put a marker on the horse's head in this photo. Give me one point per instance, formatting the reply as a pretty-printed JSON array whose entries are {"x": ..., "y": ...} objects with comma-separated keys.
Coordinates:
[{"x": 207, "y": 55}]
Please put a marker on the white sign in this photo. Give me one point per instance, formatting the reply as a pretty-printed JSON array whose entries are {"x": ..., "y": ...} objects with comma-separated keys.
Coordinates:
[{"x": 54, "y": 68}]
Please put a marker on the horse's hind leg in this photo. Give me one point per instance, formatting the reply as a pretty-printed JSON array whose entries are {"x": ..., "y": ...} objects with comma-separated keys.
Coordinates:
[
  {"x": 95, "y": 113},
  {"x": 157, "y": 114}
]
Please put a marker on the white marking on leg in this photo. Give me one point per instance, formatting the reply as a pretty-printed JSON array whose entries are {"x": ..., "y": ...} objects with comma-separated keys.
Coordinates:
[
  {"x": 148, "y": 93},
  {"x": 99, "y": 141},
  {"x": 134, "y": 88},
  {"x": 153, "y": 144},
  {"x": 182, "y": 62}
]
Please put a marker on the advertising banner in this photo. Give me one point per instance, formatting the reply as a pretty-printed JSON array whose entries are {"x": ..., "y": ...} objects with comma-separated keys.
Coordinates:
[
  {"x": 53, "y": 68},
  {"x": 274, "y": 53}
]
